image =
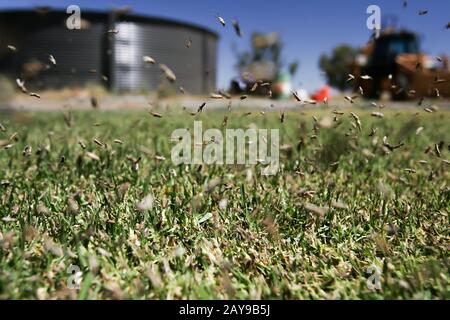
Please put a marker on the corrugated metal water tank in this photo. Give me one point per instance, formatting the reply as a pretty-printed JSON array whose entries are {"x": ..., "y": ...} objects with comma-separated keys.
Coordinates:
[{"x": 92, "y": 54}]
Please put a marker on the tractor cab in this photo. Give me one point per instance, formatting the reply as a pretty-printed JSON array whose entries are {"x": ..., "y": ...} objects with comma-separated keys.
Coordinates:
[{"x": 388, "y": 47}]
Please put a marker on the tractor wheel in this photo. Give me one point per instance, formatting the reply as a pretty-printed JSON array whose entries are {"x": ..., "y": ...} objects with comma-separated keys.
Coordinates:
[{"x": 403, "y": 82}]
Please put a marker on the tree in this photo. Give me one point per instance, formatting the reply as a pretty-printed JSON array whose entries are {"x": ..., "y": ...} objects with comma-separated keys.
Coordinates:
[
  {"x": 338, "y": 66},
  {"x": 293, "y": 67},
  {"x": 265, "y": 53}
]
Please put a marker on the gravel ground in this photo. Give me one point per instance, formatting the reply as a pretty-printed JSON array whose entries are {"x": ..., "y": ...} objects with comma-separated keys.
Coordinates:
[{"x": 114, "y": 102}]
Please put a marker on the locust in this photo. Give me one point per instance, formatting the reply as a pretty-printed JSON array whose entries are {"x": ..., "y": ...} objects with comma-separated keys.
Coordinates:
[
  {"x": 200, "y": 108},
  {"x": 316, "y": 210},
  {"x": 72, "y": 206},
  {"x": 350, "y": 78},
  {"x": 437, "y": 148},
  {"x": 148, "y": 59},
  {"x": 99, "y": 143},
  {"x": 221, "y": 20},
  {"x": 224, "y": 94},
  {"x": 237, "y": 28},
  {"x": 436, "y": 92},
  {"x": 155, "y": 114},
  {"x": 188, "y": 43},
  {"x": 351, "y": 99},
  {"x": 21, "y": 85},
  {"x": 225, "y": 121},
  {"x": 14, "y": 136},
  {"x": 168, "y": 72},
  {"x": 439, "y": 80},
  {"x": 391, "y": 147},
  {"x": 92, "y": 156},
  {"x": 94, "y": 102},
  {"x": 358, "y": 122},
  {"x": 419, "y": 130},
  {"x": 52, "y": 59},
  {"x": 339, "y": 205},
  {"x": 135, "y": 162},
  {"x": 377, "y": 114},
  {"x": 68, "y": 119},
  {"x": 216, "y": 96},
  {"x": 146, "y": 203},
  {"x": 296, "y": 96},
  {"x": 27, "y": 151}
]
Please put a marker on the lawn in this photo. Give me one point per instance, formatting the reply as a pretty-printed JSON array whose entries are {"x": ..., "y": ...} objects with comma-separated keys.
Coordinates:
[{"x": 346, "y": 207}]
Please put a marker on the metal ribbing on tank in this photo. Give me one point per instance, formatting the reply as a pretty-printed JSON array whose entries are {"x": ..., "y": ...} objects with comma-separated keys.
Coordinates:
[
  {"x": 165, "y": 44},
  {"x": 78, "y": 56}
]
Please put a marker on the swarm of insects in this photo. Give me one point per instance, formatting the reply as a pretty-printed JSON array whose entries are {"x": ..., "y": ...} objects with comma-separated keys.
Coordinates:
[{"x": 319, "y": 188}]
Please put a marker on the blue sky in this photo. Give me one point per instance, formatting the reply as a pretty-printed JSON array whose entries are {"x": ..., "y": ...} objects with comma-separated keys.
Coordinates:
[{"x": 308, "y": 28}]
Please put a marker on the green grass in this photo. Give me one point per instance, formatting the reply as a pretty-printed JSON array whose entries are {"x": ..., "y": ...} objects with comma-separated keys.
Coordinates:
[{"x": 264, "y": 244}]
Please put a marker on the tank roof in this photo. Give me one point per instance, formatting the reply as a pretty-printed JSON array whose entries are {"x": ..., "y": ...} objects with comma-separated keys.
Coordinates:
[{"x": 26, "y": 16}]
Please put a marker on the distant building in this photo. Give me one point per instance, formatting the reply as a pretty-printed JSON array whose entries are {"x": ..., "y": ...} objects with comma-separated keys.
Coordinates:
[{"x": 97, "y": 53}]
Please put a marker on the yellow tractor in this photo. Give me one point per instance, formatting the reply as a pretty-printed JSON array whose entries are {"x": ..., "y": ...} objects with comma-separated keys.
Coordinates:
[{"x": 392, "y": 66}]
